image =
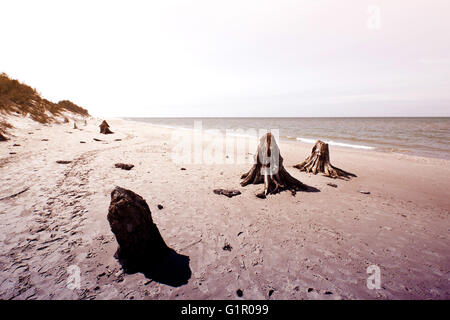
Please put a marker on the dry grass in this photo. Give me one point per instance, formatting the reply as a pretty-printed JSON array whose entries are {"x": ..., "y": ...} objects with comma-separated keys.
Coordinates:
[{"x": 21, "y": 99}]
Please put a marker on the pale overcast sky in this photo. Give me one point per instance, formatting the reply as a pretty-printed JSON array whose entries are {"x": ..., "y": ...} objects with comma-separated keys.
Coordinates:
[{"x": 233, "y": 58}]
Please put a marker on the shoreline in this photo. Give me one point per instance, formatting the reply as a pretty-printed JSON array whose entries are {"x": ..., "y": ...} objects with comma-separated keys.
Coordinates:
[
  {"x": 294, "y": 141},
  {"x": 314, "y": 245},
  {"x": 307, "y": 140}
]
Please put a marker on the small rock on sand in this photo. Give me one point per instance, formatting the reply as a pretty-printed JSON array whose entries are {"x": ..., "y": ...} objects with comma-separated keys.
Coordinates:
[
  {"x": 16, "y": 145},
  {"x": 82, "y": 141},
  {"x": 364, "y": 192},
  {"x": 160, "y": 207},
  {"x": 227, "y": 247},
  {"x": 239, "y": 293}
]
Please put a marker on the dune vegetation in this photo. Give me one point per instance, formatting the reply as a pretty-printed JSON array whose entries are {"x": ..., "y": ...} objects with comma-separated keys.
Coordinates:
[{"x": 21, "y": 99}]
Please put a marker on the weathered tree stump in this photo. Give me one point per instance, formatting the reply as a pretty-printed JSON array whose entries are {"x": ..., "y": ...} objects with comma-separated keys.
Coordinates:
[
  {"x": 269, "y": 169},
  {"x": 140, "y": 243},
  {"x": 319, "y": 161},
  {"x": 104, "y": 128}
]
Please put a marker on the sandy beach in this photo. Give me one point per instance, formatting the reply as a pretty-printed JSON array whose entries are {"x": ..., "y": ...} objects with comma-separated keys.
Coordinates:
[{"x": 314, "y": 245}]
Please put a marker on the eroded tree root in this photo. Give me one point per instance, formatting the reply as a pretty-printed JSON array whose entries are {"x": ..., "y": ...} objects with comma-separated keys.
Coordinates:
[
  {"x": 319, "y": 162},
  {"x": 269, "y": 169}
]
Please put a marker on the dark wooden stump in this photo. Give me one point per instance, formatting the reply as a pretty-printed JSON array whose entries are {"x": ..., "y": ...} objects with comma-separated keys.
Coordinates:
[
  {"x": 140, "y": 243},
  {"x": 104, "y": 128}
]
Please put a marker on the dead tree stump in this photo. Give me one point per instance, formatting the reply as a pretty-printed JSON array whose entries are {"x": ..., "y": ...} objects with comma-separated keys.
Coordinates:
[
  {"x": 269, "y": 169},
  {"x": 319, "y": 161},
  {"x": 104, "y": 128},
  {"x": 140, "y": 243}
]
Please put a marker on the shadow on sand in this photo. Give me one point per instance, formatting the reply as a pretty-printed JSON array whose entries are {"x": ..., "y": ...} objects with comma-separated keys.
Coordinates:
[{"x": 171, "y": 269}]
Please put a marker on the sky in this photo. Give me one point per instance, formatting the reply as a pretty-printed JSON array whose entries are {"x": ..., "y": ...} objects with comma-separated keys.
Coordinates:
[{"x": 256, "y": 58}]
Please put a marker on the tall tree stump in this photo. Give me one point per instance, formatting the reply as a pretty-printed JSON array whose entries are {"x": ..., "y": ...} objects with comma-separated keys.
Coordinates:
[
  {"x": 104, "y": 128},
  {"x": 319, "y": 161},
  {"x": 140, "y": 243},
  {"x": 269, "y": 169}
]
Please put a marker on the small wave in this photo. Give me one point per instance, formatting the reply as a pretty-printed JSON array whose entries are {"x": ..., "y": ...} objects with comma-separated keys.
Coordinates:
[{"x": 333, "y": 143}]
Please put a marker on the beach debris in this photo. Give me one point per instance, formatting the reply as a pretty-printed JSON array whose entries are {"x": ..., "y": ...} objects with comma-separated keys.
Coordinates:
[
  {"x": 124, "y": 166},
  {"x": 160, "y": 207},
  {"x": 332, "y": 185},
  {"x": 15, "y": 194},
  {"x": 183, "y": 169},
  {"x": 227, "y": 247},
  {"x": 104, "y": 128},
  {"x": 239, "y": 293},
  {"x": 364, "y": 192},
  {"x": 16, "y": 145},
  {"x": 2, "y": 137},
  {"x": 319, "y": 161},
  {"x": 63, "y": 161},
  {"x": 228, "y": 193},
  {"x": 75, "y": 125},
  {"x": 44, "y": 140},
  {"x": 268, "y": 169},
  {"x": 12, "y": 153},
  {"x": 95, "y": 139},
  {"x": 131, "y": 222},
  {"x": 117, "y": 139},
  {"x": 261, "y": 195},
  {"x": 82, "y": 141},
  {"x": 328, "y": 292}
]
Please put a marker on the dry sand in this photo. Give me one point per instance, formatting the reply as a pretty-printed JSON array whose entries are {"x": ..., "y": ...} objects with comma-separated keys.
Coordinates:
[{"x": 311, "y": 246}]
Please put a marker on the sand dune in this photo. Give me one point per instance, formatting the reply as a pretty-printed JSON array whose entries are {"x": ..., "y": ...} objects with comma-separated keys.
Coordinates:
[{"x": 314, "y": 245}]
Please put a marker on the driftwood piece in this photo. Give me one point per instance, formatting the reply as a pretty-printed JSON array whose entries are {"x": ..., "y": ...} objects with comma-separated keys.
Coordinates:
[
  {"x": 228, "y": 193},
  {"x": 124, "y": 166},
  {"x": 63, "y": 161},
  {"x": 319, "y": 162},
  {"x": 104, "y": 128},
  {"x": 269, "y": 169},
  {"x": 15, "y": 194}
]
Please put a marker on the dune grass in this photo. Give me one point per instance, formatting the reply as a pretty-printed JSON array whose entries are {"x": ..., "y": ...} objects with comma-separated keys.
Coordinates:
[{"x": 21, "y": 99}]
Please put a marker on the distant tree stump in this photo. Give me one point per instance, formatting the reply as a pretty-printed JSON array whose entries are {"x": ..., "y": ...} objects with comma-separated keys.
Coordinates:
[
  {"x": 319, "y": 161},
  {"x": 104, "y": 128},
  {"x": 269, "y": 169}
]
